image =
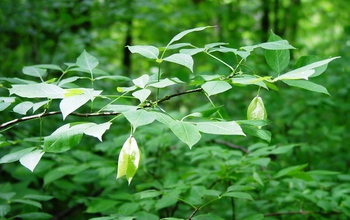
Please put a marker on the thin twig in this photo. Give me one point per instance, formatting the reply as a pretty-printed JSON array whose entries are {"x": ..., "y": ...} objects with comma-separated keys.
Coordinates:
[
  {"x": 46, "y": 114},
  {"x": 193, "y": 213},
  {"x": 245, "y": 150}
]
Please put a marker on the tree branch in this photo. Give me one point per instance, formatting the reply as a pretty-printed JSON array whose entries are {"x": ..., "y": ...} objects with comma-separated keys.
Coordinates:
[
  {"x": 245, "y": 150},
  {"x": 193, "y": 213},
  {"x": 46, "y": 114}
]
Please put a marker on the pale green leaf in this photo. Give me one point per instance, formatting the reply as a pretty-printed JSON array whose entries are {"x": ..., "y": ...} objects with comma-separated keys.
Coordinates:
[
  {"x": 260, "y": 133},
  {"x": 216, "y": 87},
  {"x": 48, "y": 66},
  {"x": 221, "y": 128},
  {"x": 129, "y": 159},
  {"x": 183, "y": 33},
  {"x": 177, "y": 46},
  {"x": 147, "y": 51},
  {"x": 192, "y": 51},
  {"x": 23, "y": 107},
  {"x": 87, "y": 61},
  {"x": 31, "y": 159},
  {"x": 256, "y": 109},
  {"x": 166, "y": 82},
  {"x": 39, "y": 90},
  {"x": 242, "y": 54},
  {"x": 72, "y": 103},
  {"x": 236, "y": 188},
  {"x": 181, "y": 59},
  {"x": 295, "y": 75},
  {"x": 141, "y": 81},
  {"x": 6, "y": 102},
  {"x": 38, "y": 197},
  {"x": 33, "y": 71},
  {"x": 65, "y": 137},
  {"x": 121, "y": 108},
  {"x": 14, "y": 156},
  {"x": 163, "y": 118},
  {"x": 186, "y": 132},
  {"x": 98, "y": 130},
  {"x": 149, "y": 194},
  {"x": 139, "y": 117},
  {"x": 37, "y": 105},
  {"x": 142, "y": 94},
  {"x": 307, "y": 85},
  {"x": 250, "y": 80}
]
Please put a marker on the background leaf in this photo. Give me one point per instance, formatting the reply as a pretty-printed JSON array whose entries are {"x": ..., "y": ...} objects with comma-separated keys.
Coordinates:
[
  {"x": 186, "y": 132},
  {"x": 278, "y": 60},
  {"x": 216, "y": 87},
  {"x": 87, "y": 61}
]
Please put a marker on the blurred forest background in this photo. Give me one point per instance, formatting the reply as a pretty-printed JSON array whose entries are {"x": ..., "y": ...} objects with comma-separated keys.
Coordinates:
[{"x": 55, "y": 32}]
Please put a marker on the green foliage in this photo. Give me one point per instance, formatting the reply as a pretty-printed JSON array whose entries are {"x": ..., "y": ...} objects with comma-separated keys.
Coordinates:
[{"x": 215, "y": 179}]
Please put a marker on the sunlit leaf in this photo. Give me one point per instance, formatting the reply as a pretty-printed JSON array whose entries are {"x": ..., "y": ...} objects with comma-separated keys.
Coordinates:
[
  {"x": 186, "y": 132},
  {"x": 256, "y": 109},
  {"x": 221, "y": 128},
  {"x": 98, "y": 130},
  {"x": 139, "y": 117},
  {"x": 14, "y": 156},
  {"x": 40, "y": 90},
  {"x": 142, "y": 94},
  {"x": 182, "y": 59},
  {"x": 31, "y": 159},
  {"x": 183, "y": 33},
  {"x": 141, "y": 81},
  {"x": 129, "y": 159},
  {"x": 87, "y": 61},
  {"x": 295, "y": 75},
  {"x": 165, "y": 83},
  {"x": 239, "y": 195},
  {"x": 23, "y": 107},
  {"x": 147, "y": 51},
  {"x": 216, "y": 87}
]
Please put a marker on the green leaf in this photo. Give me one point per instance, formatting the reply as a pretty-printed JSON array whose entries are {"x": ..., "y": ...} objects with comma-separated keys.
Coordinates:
[
  {"x": 6, "y": 102},
  {"x": 216, "y": 87},
  {"x": 295, "y": 75},
  {"x": 34, "y": 215},
  {"x": 289, "y": 170},
  {"x": 142, "y": 94},
  {"x": 283, "y": 149},
  {"x": 28, "y": 202},
  {"x": 98, "y": 130},
  {"x": 129, "y": 159},
  {"x": 239, "y": 195},
  {"x": 38, "y": 90},
  {"x": 255, "y": 217},
  {"x": 305, "y": 60},
  {"x": 121, "y": 108},
  {"x": 23, "y": 107},
  {"x": 256, "y": 109},
  {"x": 263, "y": 134},
  {"x": 307, "y": 85},
  {"x": 12, "y": 157},
  {"x": 209, "y": 216},
  {"x": 323, "y": 172},
  {"x": 38, "y": 197},
  {"x": 99, "y": 205},
  {"x": 192, "y": 51},
  {"x": 166, "y": 82},
  {"x": 48, "y": 66},
  {"x": 257, "y": 178},
  {"x": 37, "y": 105},
  {"x": 182, "y": 59},
  {"x": 87, "y": 61},
  {"x": 149, "y": 194},
  {"x": 4, "y": 209},
  {"x": 65, "y": 137},
  {"x": 7, "y": 195},
  {"x": 31, "y": 159},
  {"x": 186, "y": 132},
  {"x": 236, "y": 188},
  {"x": 141, "y": 81},
  {"x": 183, "y": 33},
  {"x": 33, "y": 71},
  {"x": 163, "y": 118},
  {"x": 242, "y": 54},
  {"x": 278, "y": 60},
  {"x": 147, "y": 51},
  {"x": 250, "y": 80},
  {"x": 274, "y": 45},
  {"x": 139, "y": 117},
  {"x": 72, "y": 103},
  {"x": 221, "y": 128}
]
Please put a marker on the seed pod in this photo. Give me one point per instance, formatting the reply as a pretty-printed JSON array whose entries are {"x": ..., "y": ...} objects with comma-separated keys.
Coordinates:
[
  {"x": 256, "y": 109},
  {"x": 129, "y": 159}
]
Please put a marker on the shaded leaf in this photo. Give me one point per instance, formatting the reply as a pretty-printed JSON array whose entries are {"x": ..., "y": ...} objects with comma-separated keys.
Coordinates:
[
  {"x": 33, "y": 71},
  {"x": 278, "y": 60},
  {"x": 4, "y": 209},
  {"x": 142, "y": 94},
  {"x": 289, "y": 170},
  {"x": 23, "y": 107},
  {"x": 12, "y": 157},
  {"x": 139, "y": 117},
  {"x": 34, "y": 215},
  {"x": 307, "y": 85},
  {"x": 239, "y": 195}
]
